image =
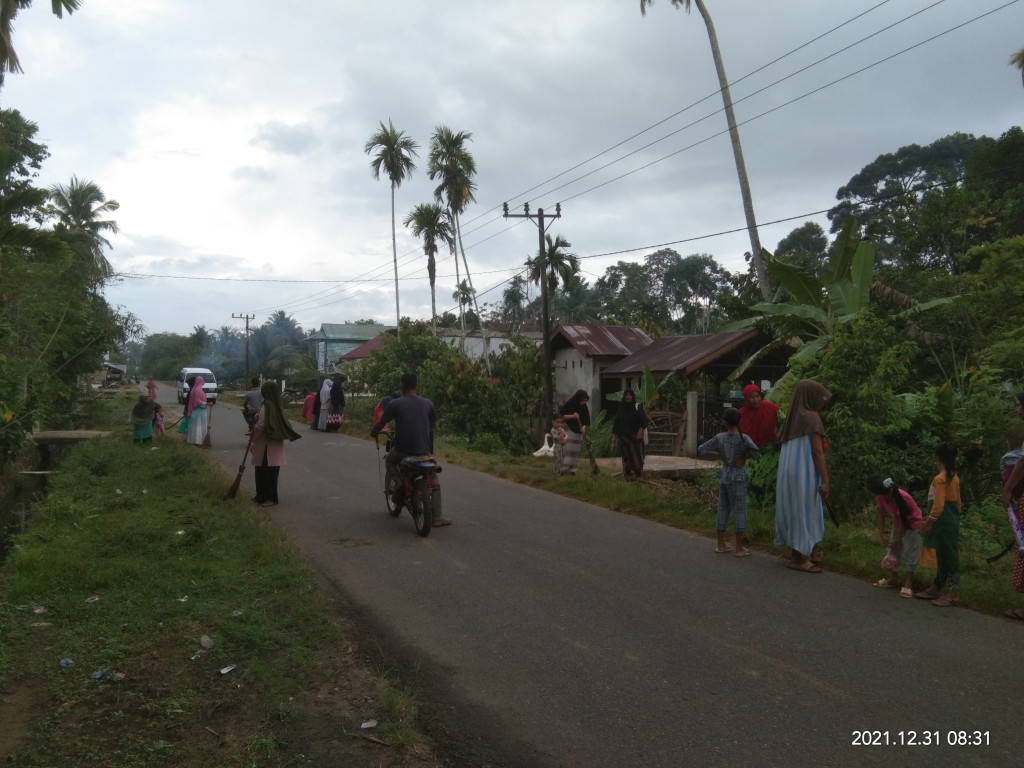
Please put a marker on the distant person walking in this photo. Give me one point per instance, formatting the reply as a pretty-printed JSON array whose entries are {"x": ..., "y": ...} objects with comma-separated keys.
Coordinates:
[
  {"x": 151, "y": 388},
  {"x": 734, "y": 448},
  {"x": 628, "y": 428},
  {"x": 337, "y": 400},
  {"x": 251, "y": 402},
  {"x": 325, "y": 404},
  {"x": 196, "y": 411},
  {"x": 802, "y": 482},
  {"x": 268, "y": 435},
  {"x": 576, "y": 415}
]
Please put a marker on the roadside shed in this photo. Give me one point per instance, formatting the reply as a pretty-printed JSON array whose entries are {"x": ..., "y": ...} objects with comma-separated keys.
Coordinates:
[
  {"x": 582, "y": 353},
  {"x": 714, "y": 356}
]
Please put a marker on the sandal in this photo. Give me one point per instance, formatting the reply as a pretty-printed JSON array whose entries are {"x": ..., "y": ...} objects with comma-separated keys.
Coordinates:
[
  {"x": 929, "y": 593},
  {"x": 884, "y": 584},
  {"x": 1017, "y": 614},
  {"x": 725, "y": 551},
  {"x": 807, "y": 567},
  {"x": 742, "y": 553},
  {"x": 947, "y": 601},
  {"x": 908, "y": 592}
]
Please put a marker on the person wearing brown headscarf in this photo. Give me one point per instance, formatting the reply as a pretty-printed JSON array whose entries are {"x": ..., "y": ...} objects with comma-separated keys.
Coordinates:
[
  {"x": 802, "y": 482},
  {"x": 272, "y": 428}
]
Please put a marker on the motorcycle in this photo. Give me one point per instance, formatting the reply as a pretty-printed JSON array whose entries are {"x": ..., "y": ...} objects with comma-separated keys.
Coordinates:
[{"x": 420, "y": 489}]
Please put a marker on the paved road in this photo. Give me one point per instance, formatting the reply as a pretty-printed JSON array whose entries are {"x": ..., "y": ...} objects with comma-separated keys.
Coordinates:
[{"x": 556, "y": 633}]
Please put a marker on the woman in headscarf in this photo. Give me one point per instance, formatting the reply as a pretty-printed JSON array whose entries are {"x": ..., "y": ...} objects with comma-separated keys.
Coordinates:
[
  {"x": 802, "y": 481},
  {"x": 758, "y": 417},
  {"x": 577, "y": 418},
  {"x": 628, "y": 428},
  {"x": 337, "y": 413},
  {"x": 142, "y": 420},
  {"x": 151, "y": 388},
  {"x": 325, "y": 404},
  {"x": 268, "y": 436},
  {"x": 195, "y": 409}
]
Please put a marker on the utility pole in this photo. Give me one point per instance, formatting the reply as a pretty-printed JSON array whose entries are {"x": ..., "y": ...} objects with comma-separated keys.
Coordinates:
[
  {"x": 247, "y": 318},
  {"x": 545, "y": 319}
]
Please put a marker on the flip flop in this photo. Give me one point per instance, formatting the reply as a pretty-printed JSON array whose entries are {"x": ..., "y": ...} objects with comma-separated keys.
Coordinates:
[
  {"x": 806, "y": 567},
  {"x": 725, "y": 551},
  {"x": 884, "y": 584},
  {"x": 907, "y": 592},
  {"x": 1015, "y": 614},
  {"x": 743, "y": 553}
]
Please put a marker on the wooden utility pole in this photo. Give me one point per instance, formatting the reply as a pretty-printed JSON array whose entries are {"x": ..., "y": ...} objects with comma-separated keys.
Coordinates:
[
  {"x": 247, "y": 318},
  {"x": 545, "y": 319}
]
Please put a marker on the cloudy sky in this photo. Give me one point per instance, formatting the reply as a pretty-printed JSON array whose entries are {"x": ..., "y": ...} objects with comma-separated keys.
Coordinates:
[{"x": 231, "y": 132}]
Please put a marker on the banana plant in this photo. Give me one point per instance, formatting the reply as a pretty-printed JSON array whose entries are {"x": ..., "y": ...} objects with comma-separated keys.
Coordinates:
[
  {"x": 818, "y": 307},
  {"x": 646, "y": 394}
]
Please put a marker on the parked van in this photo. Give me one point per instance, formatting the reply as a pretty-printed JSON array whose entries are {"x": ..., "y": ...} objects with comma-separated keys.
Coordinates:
[{"x": 209, "y": 383}]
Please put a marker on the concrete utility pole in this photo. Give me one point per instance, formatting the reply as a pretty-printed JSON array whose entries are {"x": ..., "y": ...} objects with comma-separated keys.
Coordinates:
[
  {"x": 247, "y": 318},
  {"x": 546, "y": 321}
]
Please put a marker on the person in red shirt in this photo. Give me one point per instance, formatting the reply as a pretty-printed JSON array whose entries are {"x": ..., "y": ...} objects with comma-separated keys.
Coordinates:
[{"x": 758, "y": 417}]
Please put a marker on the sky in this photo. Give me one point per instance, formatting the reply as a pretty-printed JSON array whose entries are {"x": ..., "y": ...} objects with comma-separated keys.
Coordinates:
[{"x": 232, "y": 132}]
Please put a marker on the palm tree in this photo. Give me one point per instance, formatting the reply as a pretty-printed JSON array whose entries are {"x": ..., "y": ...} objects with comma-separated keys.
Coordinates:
[
  {"x": 395, "y": 152},
  {"x": 1017, "y": 60},
  {"x": 513, "y": 300},
  {"x": 78, "y": 208},
  {"x": 561, "y": 265},
  {"x": 741, "y": 169},
  {"x": 431, "y": 222},
  {"x": 8, "y": 10},
  {"x": 451, "y": 163}
]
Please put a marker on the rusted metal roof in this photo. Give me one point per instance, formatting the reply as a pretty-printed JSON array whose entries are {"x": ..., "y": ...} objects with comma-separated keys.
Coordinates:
[
  {"x": 364, "y": 350},
  {"x": 600, "y": 340},
  {"x": 683, "y": 354}
]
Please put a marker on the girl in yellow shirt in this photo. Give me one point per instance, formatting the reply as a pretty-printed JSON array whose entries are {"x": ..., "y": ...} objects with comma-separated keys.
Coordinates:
[{"x": 941, "y": 529}]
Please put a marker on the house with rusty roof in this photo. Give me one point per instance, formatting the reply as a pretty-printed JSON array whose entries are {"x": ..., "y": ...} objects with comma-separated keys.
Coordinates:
[
  {"x": 581, "y": 353},
  {"x": 333, "y": 340},
  {"x": 713, "y": 357}
]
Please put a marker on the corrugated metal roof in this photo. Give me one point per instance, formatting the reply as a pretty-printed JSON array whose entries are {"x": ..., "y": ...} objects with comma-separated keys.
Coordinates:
[
  {"x": 684, "y": 354},
  {"x": 602, "y": 340},
  {"x": 363, "y": 351},
  {"x": 348, "y": 332}
]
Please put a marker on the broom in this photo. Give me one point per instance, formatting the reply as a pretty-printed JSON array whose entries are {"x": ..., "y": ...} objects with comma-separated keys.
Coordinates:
[{"x": 233, "y": 490}]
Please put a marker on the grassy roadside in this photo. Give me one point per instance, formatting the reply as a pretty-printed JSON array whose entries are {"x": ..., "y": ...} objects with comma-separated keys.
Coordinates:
[{"x": 145, "y": 622}]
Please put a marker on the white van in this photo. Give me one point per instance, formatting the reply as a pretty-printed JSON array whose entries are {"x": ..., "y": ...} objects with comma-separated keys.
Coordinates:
[{"x": 209, "y": 383}]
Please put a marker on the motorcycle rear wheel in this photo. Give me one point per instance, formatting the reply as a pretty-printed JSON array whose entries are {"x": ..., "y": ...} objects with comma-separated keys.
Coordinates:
[
  {"x": 390, "y": 483},
  {"x": 422, "y": 508}
]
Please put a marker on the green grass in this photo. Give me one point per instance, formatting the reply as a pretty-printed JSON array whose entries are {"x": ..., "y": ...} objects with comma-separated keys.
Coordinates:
[{"x": 130, "y": 559}]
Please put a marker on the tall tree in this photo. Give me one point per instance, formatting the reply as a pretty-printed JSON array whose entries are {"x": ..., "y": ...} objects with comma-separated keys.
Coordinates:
[
  {"x": 394, "y": 156},
  {"x": 78, "y": 208},
  {"x": 734, "y": 135},
  {"x": 431, "y": 222},
  {"x": 8, "y": 10},
  {"x": 453, "y": 166}
]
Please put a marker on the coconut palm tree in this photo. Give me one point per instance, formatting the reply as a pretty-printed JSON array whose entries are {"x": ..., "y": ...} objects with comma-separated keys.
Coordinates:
[
  {"x": 431, "y": 222},
  {"x": 741, "y": 169},
  {"x": 452, "y": 165},
  {"x": 561, "y": 266},
  {"x": 8, "y": 10},
  {"x": 394, "y": 153},
  {"x": 78, "y": 208},
  {"x": 1017, "y": 60}
]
